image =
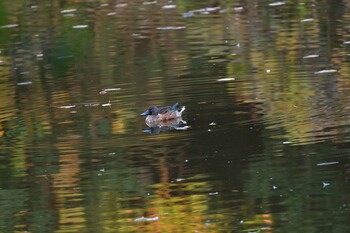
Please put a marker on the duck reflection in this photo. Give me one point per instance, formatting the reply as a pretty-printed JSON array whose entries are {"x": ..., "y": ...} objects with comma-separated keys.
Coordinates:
[{"x": 164, "y": 126}]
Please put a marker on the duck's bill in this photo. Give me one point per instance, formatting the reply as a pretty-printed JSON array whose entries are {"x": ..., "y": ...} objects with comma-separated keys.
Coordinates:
[{"x": 145, "y": 113}]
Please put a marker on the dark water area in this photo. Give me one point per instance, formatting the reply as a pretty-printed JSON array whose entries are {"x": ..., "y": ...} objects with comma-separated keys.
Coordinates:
[{"x": 266, "y": 87}]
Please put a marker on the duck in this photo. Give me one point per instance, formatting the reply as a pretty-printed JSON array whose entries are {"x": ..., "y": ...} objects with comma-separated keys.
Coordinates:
[{"x": 162, "y": 114}]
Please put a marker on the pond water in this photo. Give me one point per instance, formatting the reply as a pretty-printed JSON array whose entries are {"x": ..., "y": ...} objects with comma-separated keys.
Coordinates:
[{"x": 266, "y": 87}]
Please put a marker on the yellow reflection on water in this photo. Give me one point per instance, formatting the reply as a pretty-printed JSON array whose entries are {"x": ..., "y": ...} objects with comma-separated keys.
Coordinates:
[{"x": 68, "y": 196}]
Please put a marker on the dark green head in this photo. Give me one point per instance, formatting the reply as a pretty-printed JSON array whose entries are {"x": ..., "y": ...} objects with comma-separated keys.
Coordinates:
[{"x": 152, "y": 110}]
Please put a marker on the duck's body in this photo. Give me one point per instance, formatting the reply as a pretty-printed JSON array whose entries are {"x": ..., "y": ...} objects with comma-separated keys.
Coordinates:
[{"x": 161, "y": 114}]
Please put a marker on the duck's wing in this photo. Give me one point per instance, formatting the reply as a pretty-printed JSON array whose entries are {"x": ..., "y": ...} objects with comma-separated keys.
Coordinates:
[
  {"x": 163, "y": 110},
  {"x": 166, "y": 109}
]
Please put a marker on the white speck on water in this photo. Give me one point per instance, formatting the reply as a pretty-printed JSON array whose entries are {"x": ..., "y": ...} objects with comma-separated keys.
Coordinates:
[
  {"x": 277, "y": 4},
  {"x": 311, "y": 56},
  {"x": 102, "y": 170},
  {"x": 325, "y": 184},
  {"x": 149, "y": 3},
  {"x": 187, "y": 14},
  {"x": 306, "y": 20},
  {"x": 209, "y": 130},
  {"x": 68, "y": 11},
  {"x": 171, "y": 28},
  {"x": 104, "y": 4},
  {"x": 148, "y": 194},
  {"x": 186, "y": 160},
  {"x": 268, "y": 71},
  {"x": 325, "y": 71},
  {"x": 274, "y": 187},
  {"x": 67, "y": 106},
  {"x": 212, "y": 124},
  {"x": 107, "y": 104},
  {"x": 112, "y": 89},
  {"x": 80, "y": 26},
  {"x": 121, "y": 5},
  {"x": 111, "y": 13},
  {"x": 214, "y": 193},
  {"x": 238, "y": 45},
  {"x": 238, "y": 9},
  {"x": 179, "y": 179},
  {"x": 346, "y": 42},
  {"x": 327, "y": 163},
  {"x": 9, "y": 26},
  {"x": 40, "y": 55},
  {"x": 144, "y": 219},
  {"x": 226, "y": 79},
  {"x": 34, "y": 7},
  {"x": 169, "y": 6},
  {"x": 286, "y": 142},
  {"x": 24, "y": 83},
  {"x": 186, "y": 127},
  {"x": 241, "y": 221}
]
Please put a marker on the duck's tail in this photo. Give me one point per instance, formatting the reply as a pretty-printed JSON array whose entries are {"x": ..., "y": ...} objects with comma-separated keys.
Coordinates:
[{"x": 182, "y": 109}]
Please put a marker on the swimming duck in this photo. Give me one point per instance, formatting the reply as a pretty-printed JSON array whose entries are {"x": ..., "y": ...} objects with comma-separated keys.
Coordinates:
[{"x": 160, "y": 114}]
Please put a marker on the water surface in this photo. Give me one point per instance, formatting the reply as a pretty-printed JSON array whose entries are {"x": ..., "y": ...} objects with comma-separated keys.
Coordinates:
[{"x": 266, "y": 90}]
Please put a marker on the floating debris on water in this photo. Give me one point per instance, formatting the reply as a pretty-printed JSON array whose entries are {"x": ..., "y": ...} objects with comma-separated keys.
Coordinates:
[
  {"x": 286, "y": 142},
  {"x": 306, "y": 20},
  {"x": 24, "y": 83},
  {"x": 187, "y": 14},
  {"x": 145, "y": 219},
  {"x": 112, "y": 89},
  {"x": 226, "y": 79},
  {"x": 80, "y": 26},
  {"x": 105, "y": 91},
  {"x": 214, "y": 193},
  {"x": 9, "y": 26},
  {"x": 68, "y": 11},
  {"x": 212, "y": 124},
  {"x": 325, "y": 184},
  {"x": 107, "y": 104},
  {"x": 90, "y": 104},
  {"x": 149, "y": 3},
  {"x": 325, "y": 71},
  {"x": 327, "y": 163},
  {"x": 346, "y": 42},
  {"x": 311, "y": 56},
  {"x": 67, "y": 106},
  {"x": 171, "y": 28},
  {"x": 121, "y": 5},
  {"x": 274, "y": 187},
  {"x": 179, "y": 179},
  {"x": 238, "y": 9},
  {"x": 183, "y": 128},
  {"x": 169, "y": 6},
  {"x": 111, "y": 13},
  {"x": 277, "y": 4}
]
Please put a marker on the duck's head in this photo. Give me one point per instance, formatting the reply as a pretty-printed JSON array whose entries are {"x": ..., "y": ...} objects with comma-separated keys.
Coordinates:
[{"x": 152, "y": 110}]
